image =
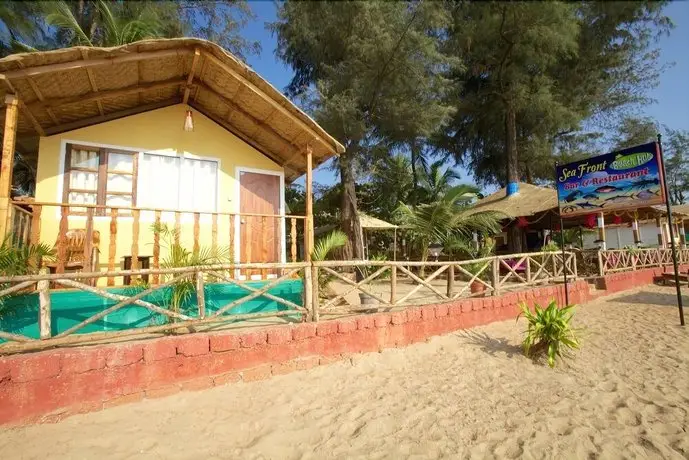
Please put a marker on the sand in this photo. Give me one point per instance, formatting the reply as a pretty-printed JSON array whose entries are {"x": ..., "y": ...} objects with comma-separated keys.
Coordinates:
[{"x": 470, "y": 394}]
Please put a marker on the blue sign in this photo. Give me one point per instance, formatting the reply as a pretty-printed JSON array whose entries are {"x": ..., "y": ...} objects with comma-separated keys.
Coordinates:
[{"x": 629, "y": 178}]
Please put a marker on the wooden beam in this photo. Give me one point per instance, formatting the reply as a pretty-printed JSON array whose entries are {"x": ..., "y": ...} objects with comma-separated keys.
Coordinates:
[
  {"x": 73, "y": 65},
  {"x": 39, "y": 95},
  {"x": 8, "y": 144},
  {"x": 110, "y": 116},
  {"x": 256, "y": 90},
  {"x": 92, "y": 80},
  {"x": 58, "y": 102},
  {"x": 243, "y": 137},
  {"x": 36, "y": 125},
  {"x": 309, "y": 231},
  {"x": 190, "y": 77},
  {"x": 261, "y": 125}
]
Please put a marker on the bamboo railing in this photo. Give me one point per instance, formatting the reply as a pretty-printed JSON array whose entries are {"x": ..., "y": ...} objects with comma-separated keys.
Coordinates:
[
  {"x": 137, "y": 221},
  {"x": 619, "y": 260},
  {"x": 174, "y": 319},
  {"x": 382, "y": 282},
  {"x": 21, "y": 224}
]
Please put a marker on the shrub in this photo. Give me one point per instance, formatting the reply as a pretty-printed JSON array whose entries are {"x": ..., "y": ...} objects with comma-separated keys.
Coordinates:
[{"x": 549, "y": 331}]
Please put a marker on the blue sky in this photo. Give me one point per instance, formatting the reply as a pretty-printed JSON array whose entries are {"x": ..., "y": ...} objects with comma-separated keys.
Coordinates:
[{"x": 672, "y": 95}]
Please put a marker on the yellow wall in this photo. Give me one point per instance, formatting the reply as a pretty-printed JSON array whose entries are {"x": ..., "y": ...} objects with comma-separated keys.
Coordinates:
[{"x": 156, "y": 130}]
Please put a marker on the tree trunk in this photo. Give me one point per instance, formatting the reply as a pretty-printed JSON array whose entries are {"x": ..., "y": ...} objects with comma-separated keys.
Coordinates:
[
  {"x": 348, "y": 209},
  {"x": 414, "y": 174},
  {"x": 514, "y": 233}
]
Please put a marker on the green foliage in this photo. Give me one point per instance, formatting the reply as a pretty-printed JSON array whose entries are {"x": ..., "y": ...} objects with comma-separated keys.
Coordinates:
[
  {"x": 468, "y": 249},
  {"x": 551, "y": 246},
  {"x": 323, "y": 247},
  {"x": 178, "y": 256},
  {"x": 446, "y": 218},
  {"x": 23, "y": 259},
  {"x": 549, "y": 331}
]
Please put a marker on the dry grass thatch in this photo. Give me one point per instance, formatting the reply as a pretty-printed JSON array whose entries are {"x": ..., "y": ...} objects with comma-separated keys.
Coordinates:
[
  {"x": 70, "y": 88},
  {"x": 530, "y": 201}
]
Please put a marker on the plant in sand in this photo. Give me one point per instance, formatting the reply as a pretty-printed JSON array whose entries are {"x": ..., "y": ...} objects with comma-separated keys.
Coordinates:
[{"x": 549, "y": 331}]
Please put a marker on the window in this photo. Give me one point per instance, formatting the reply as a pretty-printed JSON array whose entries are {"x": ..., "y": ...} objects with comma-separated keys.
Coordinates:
[
  {"x": 101, "y": 176},
  {"x": 174, "y": 182}
]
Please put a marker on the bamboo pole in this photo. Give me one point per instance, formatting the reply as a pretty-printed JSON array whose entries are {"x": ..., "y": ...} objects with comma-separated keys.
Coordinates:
[
  {"x": 450, "y": 281},
  {"x": 393, "y": 284},
  {"x": 247, "y": 287},
  {"x": 200, "y": 294},
  {"x": 659, "y": 230},
  {"x": 15, "y": 288},
  {"x": 7, "y": 163},
  {"x": 316, "y": 295},
  {"x": 112, "y": 249},
  {"x": 197, "y": 230},
  {"x": 62, "y": 239},
  {"x": 44, "y": 315},
  {"x": 36, "y": 224},
  {"x": 495, "y": 276},
  {"x": 156, "y": 247},
  {"x": 135, "y": 240},
  {"x": 178, "y": 227},
  {"x": 528, "y": 270},
  {"x": 214, "y": 232},
  {"x": 88, "y": 242},
  {"x": 264, "y": 247},
  {"x": 233, "y": 223},
  {"x": 293, "y": 239},
  {"x": 308, "y": 235}
]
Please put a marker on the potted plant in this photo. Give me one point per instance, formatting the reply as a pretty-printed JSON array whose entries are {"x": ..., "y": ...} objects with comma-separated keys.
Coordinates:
[{"x": 476, "y": 286}]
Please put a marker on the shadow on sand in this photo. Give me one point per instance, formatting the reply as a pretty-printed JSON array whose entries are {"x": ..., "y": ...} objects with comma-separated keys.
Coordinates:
[
  {"x": 668, "y": 299},
  {"x": 490, "y": 345}
]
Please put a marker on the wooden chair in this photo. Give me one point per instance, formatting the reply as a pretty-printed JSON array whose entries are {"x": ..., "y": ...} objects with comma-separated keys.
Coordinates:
[{"x": 76, "y": 250}]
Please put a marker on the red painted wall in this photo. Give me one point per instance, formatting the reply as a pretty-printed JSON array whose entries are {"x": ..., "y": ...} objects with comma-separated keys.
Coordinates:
[{"x": 49, "y": 385}]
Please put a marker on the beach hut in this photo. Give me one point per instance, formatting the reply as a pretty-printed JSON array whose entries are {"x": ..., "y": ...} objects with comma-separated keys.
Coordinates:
[
  {"x": 532, "y": 213},
  {"x": 175, "y": 132},
  {"x": 368, "y": 224}
]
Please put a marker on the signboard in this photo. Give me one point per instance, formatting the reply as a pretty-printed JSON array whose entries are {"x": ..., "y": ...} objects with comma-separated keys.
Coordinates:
[{"x": 629, "y": 178}]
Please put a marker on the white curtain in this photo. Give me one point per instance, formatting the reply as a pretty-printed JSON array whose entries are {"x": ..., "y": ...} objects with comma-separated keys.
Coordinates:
[
  {"x": 198, "y": 188},
  {"x": 84, "y": 181},
  {"x": 159, "y": 181},
  {"x": 170, "y": 182}
]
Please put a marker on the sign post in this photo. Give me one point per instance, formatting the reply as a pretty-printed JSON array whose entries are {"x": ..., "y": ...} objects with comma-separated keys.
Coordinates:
[
  {"x": 672, "y": 237},
  {"x": 625, "y": 179}
]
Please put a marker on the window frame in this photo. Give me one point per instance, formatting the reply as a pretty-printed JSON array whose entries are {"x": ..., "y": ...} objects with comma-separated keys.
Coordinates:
[{"x": 102, "y": 175}]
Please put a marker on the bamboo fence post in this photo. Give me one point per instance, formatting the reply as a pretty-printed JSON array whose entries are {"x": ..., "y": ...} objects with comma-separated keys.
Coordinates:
[
  {"x": 293, "y": 239},
  {"x": 62, "y": 239},
  {"x": 393, "y": 284},
  {"x": 600, "y": 263},
  {"x": 88, "y": 242},
  {"x": 308, "y": 236},
  {"x": 197, "y": 230},
  {"x": 178, "y": 226},
  {"x": 528, "y": 270},
  {"x": 36, "y": 224},
  {"x": 450, "y": 281},
  {"x": 26, "y": 228},
  {"x": 316, "y": 295},
  {"x": 44, "y": 319},
  {"x": 576, "y": 270},
  {"x": 113, "y": 245},
  {"x": 495, "y": 275},
  {"x": 7, "y": 164},
  {"x": 135, "y": 240},
  {"x": 214, "y": 233},
  {"x": 156, "y": 246},
  {"x": 200, "y": 294}
]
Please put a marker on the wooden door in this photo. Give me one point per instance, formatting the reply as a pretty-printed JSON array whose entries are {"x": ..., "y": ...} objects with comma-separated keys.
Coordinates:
[{"x": 259, "y": 236}]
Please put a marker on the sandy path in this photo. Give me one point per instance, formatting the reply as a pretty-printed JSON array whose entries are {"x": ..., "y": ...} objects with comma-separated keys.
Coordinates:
[{"x": 471, "y": 393}]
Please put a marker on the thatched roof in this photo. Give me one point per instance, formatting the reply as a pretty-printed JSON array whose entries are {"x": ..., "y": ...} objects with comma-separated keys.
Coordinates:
[
  {"x": 530, "y": 200},
  {"x": 373, "y": 223},
  {"x": 681, "y": 209},
  {"x": 71, "y": 88}
]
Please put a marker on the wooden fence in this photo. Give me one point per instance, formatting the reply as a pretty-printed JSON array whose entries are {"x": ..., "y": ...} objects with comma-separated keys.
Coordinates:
[
  {"x": 619, "y": 260},
  {"x": 387, "y": 284},
  {"x": 21, "y": 224},
  {"x": 175, "y": 319},
  {"x": 220, "y": 229}
]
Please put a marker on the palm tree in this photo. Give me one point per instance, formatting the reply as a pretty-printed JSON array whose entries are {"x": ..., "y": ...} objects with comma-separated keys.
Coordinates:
[
  {"x": 18, "y": 27},
  {"x": 437, "y": 181},
  {"x": 103, "y": 24},
  {"x": 446, "y": 217}
]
